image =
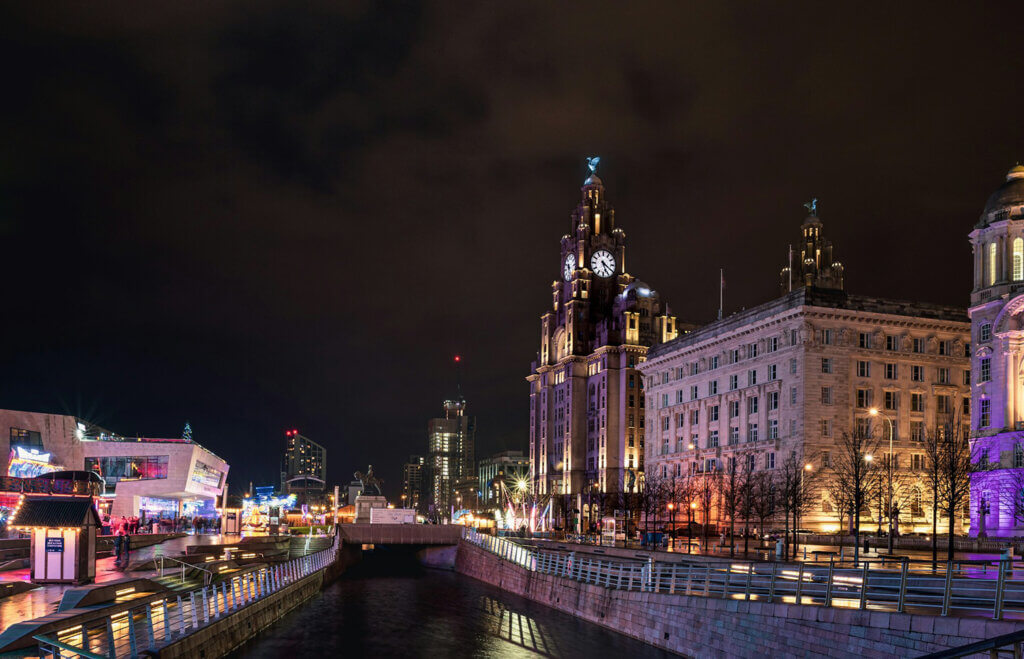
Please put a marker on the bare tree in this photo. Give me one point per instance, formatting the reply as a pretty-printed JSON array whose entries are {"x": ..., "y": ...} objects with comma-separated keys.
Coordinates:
[
  {"x": 678, "y": 494},
  {"x": 747, "y": 492},
  {"x": 798, "y": 477},
  {"x": 933, "y": 478},
  {"x": 652, "y": 498},
  {"x": 706, "y": 490},
  {"x": 731, "y": 488},
  {"x": 763, "y": 497},
  {"x": 957, "y": 464},
  {"x": 851, "y": 477}
]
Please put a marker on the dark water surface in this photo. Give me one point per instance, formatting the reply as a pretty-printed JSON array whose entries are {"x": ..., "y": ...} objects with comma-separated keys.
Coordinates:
[{"x": 374, "y": 611}]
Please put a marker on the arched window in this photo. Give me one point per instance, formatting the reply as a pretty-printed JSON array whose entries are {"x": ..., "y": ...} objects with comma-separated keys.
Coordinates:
[
  {"x": 991, "y": 264},
  {"x": 1018, "y": 259}
]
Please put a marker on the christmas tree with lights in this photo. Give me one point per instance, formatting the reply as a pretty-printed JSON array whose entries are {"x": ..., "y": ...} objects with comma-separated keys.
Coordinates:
[{"x": 186, "y": 434}]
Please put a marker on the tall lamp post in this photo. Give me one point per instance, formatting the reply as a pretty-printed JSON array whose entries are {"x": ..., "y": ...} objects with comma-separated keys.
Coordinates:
[
  {"x": 874, "y": 411},
  {"x": 796, "y": 508},
  {"x": 672, "y": 523},
  {"x": 689, "y": 525}
]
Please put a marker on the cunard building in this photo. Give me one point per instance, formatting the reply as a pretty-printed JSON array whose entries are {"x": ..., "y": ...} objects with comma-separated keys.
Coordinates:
[
  {"x": 791, "y": 376},
  {"x": 586, "y": 395}
]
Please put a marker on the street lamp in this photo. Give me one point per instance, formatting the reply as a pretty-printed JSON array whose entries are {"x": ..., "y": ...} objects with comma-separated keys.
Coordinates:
[
  {"x": 796, "y": 509},
  {"x": 689, "y": 524},
  {"x": 672, "y": 522},
  {"x": 874, "y": 411}
]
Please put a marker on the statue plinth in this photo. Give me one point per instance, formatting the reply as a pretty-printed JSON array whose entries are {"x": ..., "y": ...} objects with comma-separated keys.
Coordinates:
[{"x": 364, "y": 503}]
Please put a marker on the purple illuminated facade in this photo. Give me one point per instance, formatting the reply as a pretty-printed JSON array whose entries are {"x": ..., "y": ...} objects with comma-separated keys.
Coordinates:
[{"x": 997, "y": 363}]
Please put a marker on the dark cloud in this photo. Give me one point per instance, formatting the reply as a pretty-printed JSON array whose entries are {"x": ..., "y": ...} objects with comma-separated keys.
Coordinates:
[{"x": 257, "y": 216}]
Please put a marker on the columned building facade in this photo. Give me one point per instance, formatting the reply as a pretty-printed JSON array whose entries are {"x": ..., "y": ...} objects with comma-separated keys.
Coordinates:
[
  {"x": 790, "y": 376},
  {"x": 586, "y": 394},
  {"x": 997, "y": 325}
]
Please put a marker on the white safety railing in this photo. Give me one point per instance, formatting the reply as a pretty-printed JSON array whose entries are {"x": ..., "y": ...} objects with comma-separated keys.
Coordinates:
[
  {"x": 869, "y": 586},
  {"x": 150, "y": 626}
]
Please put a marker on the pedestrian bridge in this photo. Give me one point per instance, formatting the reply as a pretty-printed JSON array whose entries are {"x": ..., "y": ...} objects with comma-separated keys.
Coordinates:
[{"x": 400, "y": 534}]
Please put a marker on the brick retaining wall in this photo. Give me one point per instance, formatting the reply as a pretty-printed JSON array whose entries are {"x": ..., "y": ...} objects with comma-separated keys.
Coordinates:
[{"x": 704, "y": 626}]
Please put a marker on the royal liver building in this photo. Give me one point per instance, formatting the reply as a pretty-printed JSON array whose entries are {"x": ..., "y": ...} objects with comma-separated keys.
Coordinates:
[
  {"x": 586, "y": 396},
  {"x": 997, "y": 329}
]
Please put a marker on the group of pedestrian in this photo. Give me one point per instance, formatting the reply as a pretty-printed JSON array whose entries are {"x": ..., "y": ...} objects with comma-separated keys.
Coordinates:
[{"x": 123, "y": 525}]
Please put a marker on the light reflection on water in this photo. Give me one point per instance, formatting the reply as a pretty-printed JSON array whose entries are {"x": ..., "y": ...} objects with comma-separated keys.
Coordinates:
[{"x": 432, "y": 614}]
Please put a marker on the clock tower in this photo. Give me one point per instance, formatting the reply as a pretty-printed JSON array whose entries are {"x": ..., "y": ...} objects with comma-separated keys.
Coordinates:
[{"x": 586, "y": 396}]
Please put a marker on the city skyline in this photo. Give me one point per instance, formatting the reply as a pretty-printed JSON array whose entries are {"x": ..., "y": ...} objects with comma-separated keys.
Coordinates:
[{"x": 192, "y": 268}]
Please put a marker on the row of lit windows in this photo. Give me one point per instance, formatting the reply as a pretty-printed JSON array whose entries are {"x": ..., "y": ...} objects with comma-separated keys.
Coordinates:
[{"x": 1017, "y": 261}]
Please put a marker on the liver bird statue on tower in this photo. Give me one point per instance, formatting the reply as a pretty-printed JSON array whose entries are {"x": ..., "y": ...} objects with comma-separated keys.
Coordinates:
[{"x": 592, "y": 163}]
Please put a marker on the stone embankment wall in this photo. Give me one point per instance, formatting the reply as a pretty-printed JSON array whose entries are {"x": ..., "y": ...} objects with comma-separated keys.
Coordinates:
[{"x": 705, "y": 626}]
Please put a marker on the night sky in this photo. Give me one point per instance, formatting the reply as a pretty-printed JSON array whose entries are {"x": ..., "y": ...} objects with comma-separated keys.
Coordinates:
[{"x": 259, "y": 216}]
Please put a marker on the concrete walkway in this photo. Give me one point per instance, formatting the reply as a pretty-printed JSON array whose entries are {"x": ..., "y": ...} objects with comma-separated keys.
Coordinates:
[{"x": 44, "y": 599}]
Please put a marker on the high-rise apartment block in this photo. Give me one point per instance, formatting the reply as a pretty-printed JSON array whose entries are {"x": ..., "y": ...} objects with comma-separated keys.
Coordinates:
[
  {"x": 450, "y": 445},
  {"x": 303, "y": 467},
  {"x": 412, "y": 482}
]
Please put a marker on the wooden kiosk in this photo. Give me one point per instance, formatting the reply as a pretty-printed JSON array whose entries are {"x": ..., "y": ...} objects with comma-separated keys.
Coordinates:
[{"x": 63, "y": 531}]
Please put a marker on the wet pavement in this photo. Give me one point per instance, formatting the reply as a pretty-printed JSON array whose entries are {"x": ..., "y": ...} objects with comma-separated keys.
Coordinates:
[{"x": 44, "y": 599}]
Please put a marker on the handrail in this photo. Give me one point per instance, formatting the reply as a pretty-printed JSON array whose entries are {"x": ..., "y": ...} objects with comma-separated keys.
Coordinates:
[
  {"x": 1013, "y": 638},
  {"x": 207, "y": 578},
  {"x": 148, "y": 627},
  {"x": 871, "y": 585},
  {"x": 69, "y": 648}
]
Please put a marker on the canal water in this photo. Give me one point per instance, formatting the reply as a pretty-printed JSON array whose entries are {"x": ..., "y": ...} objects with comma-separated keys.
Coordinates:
[{"x": 381, "y": 610}]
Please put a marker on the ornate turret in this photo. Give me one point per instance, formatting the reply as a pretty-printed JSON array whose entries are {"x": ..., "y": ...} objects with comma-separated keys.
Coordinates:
[{"x": 811, "y": 262}]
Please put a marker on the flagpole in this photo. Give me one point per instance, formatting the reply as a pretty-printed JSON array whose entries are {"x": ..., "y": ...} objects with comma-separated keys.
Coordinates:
[
  {"x": 721, "y": 290},
  {"x": 791, "y": 268}
]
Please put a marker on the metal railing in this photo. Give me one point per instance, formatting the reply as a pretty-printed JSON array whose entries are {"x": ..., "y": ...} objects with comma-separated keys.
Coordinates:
[
  {"x": 867, "y": 586},
  {"x": 154, "y": 624},
  {"x": 207, "y": 574},
  {"x": 1007, "y": 643}
]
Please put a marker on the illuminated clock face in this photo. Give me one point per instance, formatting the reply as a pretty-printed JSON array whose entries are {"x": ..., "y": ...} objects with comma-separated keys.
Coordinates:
[
  {"x": 603, "y": 263},
  {"x": 569, "y": 267}
]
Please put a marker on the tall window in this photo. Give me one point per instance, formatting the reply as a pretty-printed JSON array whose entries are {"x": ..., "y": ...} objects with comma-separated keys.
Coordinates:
[
  {"x": 986, "y": 370},
  {"x": 991, "y": 263},
  {"x": 985, "y": 419},
  {"x": 1018, "y": 259}
]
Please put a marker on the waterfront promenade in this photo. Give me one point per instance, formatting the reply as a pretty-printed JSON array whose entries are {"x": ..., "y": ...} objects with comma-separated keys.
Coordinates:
[
  {"x": 739, "y": 608},
  {"x": 43, "y": 600}
]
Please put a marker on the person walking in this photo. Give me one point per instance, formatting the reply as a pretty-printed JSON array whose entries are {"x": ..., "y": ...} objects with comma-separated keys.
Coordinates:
[
  {"x": 118, "y": 541},
  {"x": 126, "y": 548}
]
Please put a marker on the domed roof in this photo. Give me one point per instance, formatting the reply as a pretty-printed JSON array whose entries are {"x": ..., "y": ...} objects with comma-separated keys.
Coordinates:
[
  {"x": 1009, "y": 194},
  {"x": 593, "y": 179},
  {"x": 637, "y": 288}
]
